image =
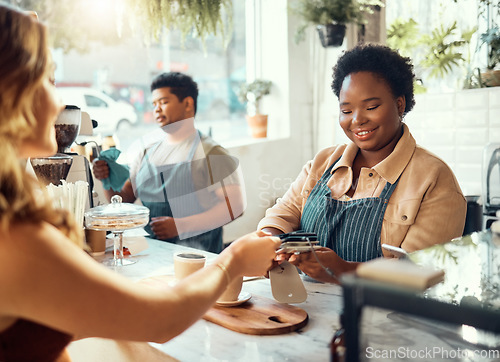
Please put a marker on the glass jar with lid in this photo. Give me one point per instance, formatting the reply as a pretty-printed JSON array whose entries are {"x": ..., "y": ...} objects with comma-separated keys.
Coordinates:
[{"x": 117, "y": 217}]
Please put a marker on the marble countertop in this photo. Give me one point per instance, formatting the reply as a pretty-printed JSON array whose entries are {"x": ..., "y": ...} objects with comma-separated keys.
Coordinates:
[
  {"x": 208, "y": 341},
  {"x": 382, "y": 331}
]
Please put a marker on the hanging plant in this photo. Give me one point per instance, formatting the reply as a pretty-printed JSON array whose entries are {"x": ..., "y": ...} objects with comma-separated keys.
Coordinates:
[
  {"x": 200, "y": 18},
  {"x": 325, "y": 13}
]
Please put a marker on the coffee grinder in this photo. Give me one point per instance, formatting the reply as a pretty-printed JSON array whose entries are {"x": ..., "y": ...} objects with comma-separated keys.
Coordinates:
[
  {"x": 66, "y": 165},
  {"x": 80, "y": 168}
]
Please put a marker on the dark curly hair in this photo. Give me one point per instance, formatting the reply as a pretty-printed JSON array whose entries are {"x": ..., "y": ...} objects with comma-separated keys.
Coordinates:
[
  {"x": 396, "y": 70},
  {"x": 182, "y": 85}
]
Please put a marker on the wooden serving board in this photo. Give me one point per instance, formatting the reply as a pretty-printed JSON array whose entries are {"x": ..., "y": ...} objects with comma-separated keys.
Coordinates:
[{"x": 259, "y": 316}]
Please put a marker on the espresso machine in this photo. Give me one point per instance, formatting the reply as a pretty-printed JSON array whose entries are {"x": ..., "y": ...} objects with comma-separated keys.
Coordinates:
[{"x": 65, "y": 164}]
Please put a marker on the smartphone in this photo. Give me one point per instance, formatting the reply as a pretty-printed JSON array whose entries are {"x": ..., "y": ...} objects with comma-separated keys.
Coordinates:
[
  {"x": 298, "y": 236},
  {"x": 397, "y": 252},
  {"x": 301, "y": 239},
  {"x": 297, "y": 247}
]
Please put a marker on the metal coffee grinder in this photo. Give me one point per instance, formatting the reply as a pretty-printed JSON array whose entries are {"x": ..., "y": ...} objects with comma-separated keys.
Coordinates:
[{"x": 66, "y": 165}]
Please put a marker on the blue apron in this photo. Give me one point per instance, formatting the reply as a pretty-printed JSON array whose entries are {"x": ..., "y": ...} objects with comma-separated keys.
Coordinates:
[
  {"x": 157, "y": 184},
  {"x": 350, "y": 228}
]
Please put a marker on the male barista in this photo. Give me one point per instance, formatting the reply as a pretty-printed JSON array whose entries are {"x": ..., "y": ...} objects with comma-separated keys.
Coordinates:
[{"x": 191, "y": 185}]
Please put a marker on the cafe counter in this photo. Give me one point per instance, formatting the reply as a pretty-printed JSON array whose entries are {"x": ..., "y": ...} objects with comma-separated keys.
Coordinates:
[
  {"x": 206, "y": 341},
  {"x": 385, "y": 334}
]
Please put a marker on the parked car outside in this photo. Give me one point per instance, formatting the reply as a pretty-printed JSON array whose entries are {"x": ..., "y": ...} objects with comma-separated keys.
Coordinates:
[{"x": 110, "y": 115}]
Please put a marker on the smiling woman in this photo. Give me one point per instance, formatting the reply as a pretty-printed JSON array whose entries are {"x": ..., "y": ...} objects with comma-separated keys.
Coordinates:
[
  {"x": 365, "y": 97},
  {"x": 382, "y": 187}
]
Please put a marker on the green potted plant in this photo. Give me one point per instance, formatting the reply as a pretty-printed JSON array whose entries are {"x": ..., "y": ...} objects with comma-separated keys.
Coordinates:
[
  {"x": 330, "y": 17},
  {"x": 489, "y": 11},
  {"x": 445, "y": 50},
  {"x": 252, "y": 93},
  {"x": 491, "y": 38}
]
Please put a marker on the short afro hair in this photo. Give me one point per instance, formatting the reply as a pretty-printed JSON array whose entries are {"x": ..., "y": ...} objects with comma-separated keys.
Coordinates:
[{"x": 385, "y": 62}]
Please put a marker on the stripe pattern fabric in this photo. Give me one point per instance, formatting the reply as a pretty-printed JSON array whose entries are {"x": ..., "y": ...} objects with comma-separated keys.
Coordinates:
[{"x": 350, "y": 228}]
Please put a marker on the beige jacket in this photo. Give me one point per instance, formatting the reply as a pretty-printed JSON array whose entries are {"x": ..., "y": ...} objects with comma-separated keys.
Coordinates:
[{"x": 427, "y": 207}]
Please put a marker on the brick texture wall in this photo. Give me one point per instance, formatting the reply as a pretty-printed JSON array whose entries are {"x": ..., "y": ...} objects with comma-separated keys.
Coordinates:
[{"x": 457, "y": 127}]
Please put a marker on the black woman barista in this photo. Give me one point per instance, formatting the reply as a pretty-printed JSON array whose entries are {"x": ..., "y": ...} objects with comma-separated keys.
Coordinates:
[{"x": 380, "y": 188}]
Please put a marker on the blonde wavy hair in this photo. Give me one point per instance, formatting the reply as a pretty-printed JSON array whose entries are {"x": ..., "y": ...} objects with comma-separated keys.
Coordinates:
[{"x": 24, "y": 64}]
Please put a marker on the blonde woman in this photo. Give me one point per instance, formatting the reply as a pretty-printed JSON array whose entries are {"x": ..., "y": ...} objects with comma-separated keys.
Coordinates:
[{"x": 48, "y": 285}]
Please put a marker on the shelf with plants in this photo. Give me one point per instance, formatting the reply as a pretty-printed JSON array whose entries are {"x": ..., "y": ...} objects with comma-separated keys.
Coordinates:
[
  {"x": 435, "y": 55},
  {"x": 456, "y": 57}
]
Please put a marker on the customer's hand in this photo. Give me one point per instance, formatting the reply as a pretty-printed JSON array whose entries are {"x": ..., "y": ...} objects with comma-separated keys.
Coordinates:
[
  {"x": 100, "y": 169},
  {"x": 252, "y": 254},
  {"x": 308, "y": 263},
  {"x": 163, "y": 227}
]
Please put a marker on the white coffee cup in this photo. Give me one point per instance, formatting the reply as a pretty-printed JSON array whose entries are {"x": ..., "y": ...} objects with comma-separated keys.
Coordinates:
[
  {"x": 187, "y": 262},
  {"x": 232, "y": 291}
]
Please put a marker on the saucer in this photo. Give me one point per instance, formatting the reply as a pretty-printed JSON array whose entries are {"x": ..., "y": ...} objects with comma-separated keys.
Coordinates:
[{"x": 242, "y": 298}]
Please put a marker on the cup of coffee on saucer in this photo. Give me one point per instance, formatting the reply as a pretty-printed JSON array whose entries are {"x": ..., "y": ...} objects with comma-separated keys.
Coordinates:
[
  {"x": 233, "y": 295},
  {"x": 186, "y": 263}
]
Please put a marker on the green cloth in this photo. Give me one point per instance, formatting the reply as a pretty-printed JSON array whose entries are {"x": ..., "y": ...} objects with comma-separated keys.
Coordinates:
[{"x": 118, "y": 173}]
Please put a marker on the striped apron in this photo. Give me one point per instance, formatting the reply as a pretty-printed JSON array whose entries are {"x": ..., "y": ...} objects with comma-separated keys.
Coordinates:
[{"x": 350, "y": 228}]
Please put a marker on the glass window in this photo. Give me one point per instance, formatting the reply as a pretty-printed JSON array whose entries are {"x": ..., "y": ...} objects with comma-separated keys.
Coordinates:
[{"x": 123, "y": 67}]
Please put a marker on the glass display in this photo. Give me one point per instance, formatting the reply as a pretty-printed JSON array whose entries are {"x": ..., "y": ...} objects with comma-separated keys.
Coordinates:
[
  {"x": 117, "y": 217},
  {"x": 472, "y": 265}
]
